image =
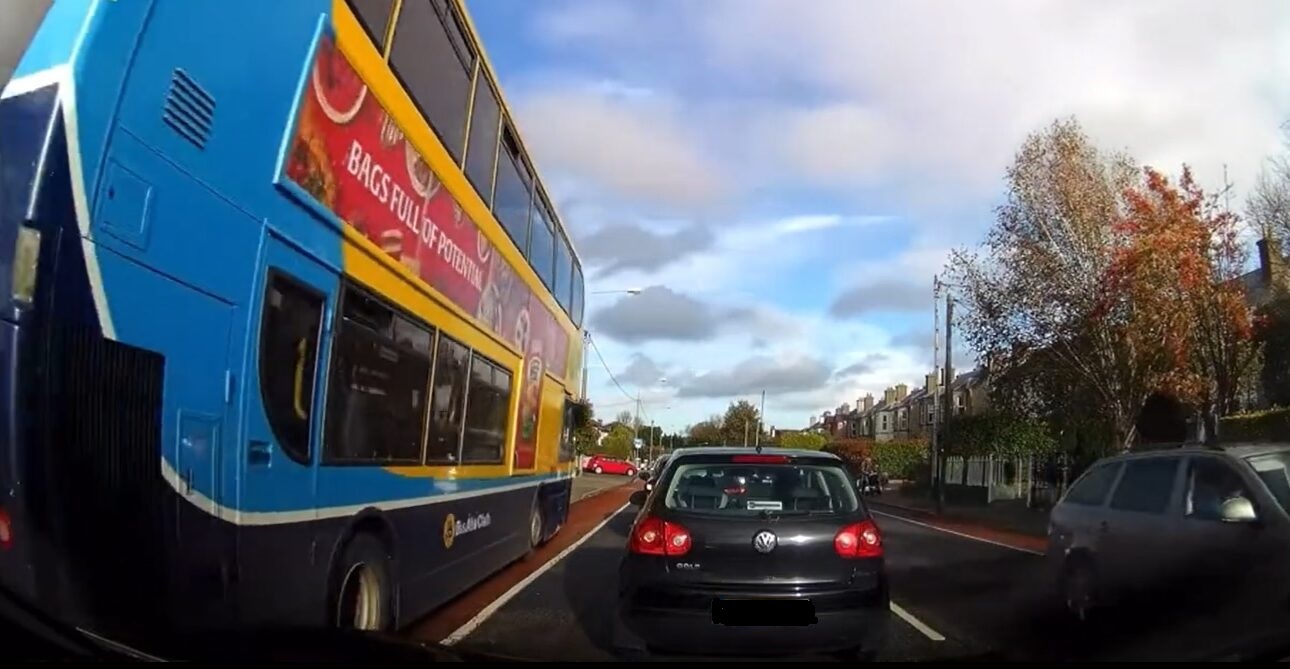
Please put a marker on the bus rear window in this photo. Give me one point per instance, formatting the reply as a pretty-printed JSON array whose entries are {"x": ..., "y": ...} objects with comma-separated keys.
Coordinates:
[{"x": 750, "y": 489}]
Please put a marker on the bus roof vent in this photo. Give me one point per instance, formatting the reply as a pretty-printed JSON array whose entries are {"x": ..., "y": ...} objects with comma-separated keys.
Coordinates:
[{"x": 189, "y": 110}]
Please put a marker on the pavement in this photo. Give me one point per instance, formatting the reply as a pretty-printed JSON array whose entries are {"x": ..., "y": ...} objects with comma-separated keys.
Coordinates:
[
  {"x": 959, "y": 592},
  {"x": 586, "y": 485},
  {"x": 1009, "y": 516}
]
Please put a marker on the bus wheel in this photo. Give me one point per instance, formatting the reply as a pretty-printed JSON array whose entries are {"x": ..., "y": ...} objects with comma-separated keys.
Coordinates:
[
  {"x": 363, "y": 589},
  {"x": 535, "y": 526}
]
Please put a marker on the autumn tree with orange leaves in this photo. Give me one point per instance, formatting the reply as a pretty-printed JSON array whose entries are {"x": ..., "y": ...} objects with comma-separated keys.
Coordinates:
[
  {"x": 1174, "y": 277},
  {"x": 1111, "y": 276}
]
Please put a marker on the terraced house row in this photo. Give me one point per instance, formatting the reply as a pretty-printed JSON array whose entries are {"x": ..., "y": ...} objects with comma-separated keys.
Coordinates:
[{"x": 904, "y": 414}]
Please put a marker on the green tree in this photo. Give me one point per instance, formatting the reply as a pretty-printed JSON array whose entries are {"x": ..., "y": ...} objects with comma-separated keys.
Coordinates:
[
  {"x": 584, "y": 439},
  {"x": 1098, "y": 265},
  {"x": 706, "y": 432},
  {"x": 741, "y": 421},
  {"x": 809, "y": 441},
  {"x": 1274, "y": 335},
  {"x": 618, "y": 443}
]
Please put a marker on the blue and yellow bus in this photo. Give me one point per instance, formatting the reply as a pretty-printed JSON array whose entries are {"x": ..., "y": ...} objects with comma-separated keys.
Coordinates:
[{"x": 290, "y": 327}]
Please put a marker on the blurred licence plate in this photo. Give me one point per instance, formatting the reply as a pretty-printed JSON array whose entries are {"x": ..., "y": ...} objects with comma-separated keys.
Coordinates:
[{"x": 750, "y": 612}]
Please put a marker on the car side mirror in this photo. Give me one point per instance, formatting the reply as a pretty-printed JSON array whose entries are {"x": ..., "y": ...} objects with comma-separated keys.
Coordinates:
[
  {"x": 637, "y": 498},
  {"x": 1238, "y": 510}
]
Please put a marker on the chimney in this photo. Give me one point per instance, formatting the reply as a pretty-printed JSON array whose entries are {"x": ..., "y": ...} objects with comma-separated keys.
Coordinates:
[
  {"x": 889, "y": 395},
  {"x": 868, "y": 402},
  {"x": 845, "y": 408},
  {"x": 901, "y": 391},
  {"x": 929, "y": 382},
  {"x": 812, "y": 422},
  {"x": 1271, "y": 264}
]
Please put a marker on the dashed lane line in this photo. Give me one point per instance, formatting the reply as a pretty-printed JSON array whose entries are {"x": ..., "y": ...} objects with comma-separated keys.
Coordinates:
[
  {"x": 473, "y": 624},
  {"x": 917, "y": 624}
]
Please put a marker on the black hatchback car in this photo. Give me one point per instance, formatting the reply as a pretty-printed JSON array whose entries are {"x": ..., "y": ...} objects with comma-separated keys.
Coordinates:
[{"x": 744, "y": 551}]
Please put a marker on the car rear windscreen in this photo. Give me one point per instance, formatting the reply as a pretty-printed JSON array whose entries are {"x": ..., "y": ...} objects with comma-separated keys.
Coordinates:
[{"x": 738, "y": 489}]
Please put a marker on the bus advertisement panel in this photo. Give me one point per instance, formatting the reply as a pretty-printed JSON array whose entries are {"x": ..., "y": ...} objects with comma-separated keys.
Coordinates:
[{"x": 351, "y": 156}]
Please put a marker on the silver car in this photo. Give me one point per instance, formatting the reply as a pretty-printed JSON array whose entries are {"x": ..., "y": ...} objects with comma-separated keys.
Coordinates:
[{"x": 1190, "y": 521}]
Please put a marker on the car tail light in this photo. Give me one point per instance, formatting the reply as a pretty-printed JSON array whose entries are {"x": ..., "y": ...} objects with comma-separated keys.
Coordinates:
[
  {"x": 861, "y": 540},
  {"x": 760, "y": 459},
  {"x": 655, "y": 536}
]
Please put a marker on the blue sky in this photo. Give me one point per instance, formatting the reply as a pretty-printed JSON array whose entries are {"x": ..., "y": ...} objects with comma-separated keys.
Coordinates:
[{"x": 784, "y": 178}]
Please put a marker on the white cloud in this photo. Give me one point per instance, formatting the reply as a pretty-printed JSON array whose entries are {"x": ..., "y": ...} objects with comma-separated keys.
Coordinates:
[
  {"x": 785, "y": 375},
  {"x": 638, "y": 148},
  {"x": 907, "y": 111},
  {"x": 617, "y": 248},
  {"x": 937, "y": 96}
]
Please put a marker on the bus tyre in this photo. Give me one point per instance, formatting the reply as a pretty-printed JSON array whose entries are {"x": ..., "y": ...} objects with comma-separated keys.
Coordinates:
[
  {"x": 535, "y": 526},
  {"x": 364, "y": 593}
]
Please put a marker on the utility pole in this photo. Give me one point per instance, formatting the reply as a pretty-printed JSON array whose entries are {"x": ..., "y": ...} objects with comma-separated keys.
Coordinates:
[
  {"x": 636, "y": 423},
  {"x": 761, "y": 415},
  {"x": 651, "y": 440},
  {"x": 936, "y": 396},
  {"x": 949, "y": 399}
]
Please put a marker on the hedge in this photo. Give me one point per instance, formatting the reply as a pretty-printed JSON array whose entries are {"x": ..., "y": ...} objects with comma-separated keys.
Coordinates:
[
  {"x": 896, "y": 459},
  {"x": 901, "y": 459},
  {"x": 999, "y": 435},
  {"x": 1268, "y": 425}
]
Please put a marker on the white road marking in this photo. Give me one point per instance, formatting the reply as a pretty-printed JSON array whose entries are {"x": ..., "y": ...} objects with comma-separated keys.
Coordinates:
[
  {"x": 957, "y": 534},
  {"x": 916, "y": 623},
  {"x": 474, "y": 623}
]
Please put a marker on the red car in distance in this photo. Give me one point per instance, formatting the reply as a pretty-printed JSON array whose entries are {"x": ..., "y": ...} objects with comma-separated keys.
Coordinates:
[{"x": 603, "y": 464}]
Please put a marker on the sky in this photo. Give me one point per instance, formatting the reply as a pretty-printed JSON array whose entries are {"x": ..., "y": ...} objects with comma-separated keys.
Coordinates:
[{"x": 783, "y": 179}]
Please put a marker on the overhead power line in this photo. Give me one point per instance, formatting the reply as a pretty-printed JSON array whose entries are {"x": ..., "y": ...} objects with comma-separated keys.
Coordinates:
[{"x": 609, "y": 371}]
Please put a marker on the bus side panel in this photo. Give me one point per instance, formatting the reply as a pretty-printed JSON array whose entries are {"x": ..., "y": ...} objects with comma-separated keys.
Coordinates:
[
  {"x": 440, "y": 550},
  {"x": 556, "y": 498},
  {"x": 448, "y": 547},
  {"x": 243, "y": 67},
  {"x": 271, "y": 590}
]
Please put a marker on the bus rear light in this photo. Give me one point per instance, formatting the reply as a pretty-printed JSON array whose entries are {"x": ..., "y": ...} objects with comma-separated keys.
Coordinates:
[
  {"x": 26, "y": 261},
  {"x": 6, "y": 530}
]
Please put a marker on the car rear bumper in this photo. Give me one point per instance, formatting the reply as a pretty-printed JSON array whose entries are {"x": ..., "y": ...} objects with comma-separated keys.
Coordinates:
[{"x": 845, "y": 620}]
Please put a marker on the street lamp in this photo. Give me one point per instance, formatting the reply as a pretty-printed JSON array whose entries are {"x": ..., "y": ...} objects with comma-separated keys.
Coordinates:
[{"x": 628, "y": 291}]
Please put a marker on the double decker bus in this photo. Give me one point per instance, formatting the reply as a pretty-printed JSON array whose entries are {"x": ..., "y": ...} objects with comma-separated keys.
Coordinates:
[{"x": 290, "y": 327}]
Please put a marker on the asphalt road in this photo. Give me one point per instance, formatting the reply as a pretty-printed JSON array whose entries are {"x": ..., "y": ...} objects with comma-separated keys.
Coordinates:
[
  {"x": 961, "y": 598},
  {"x": 565, "y": 613}
]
